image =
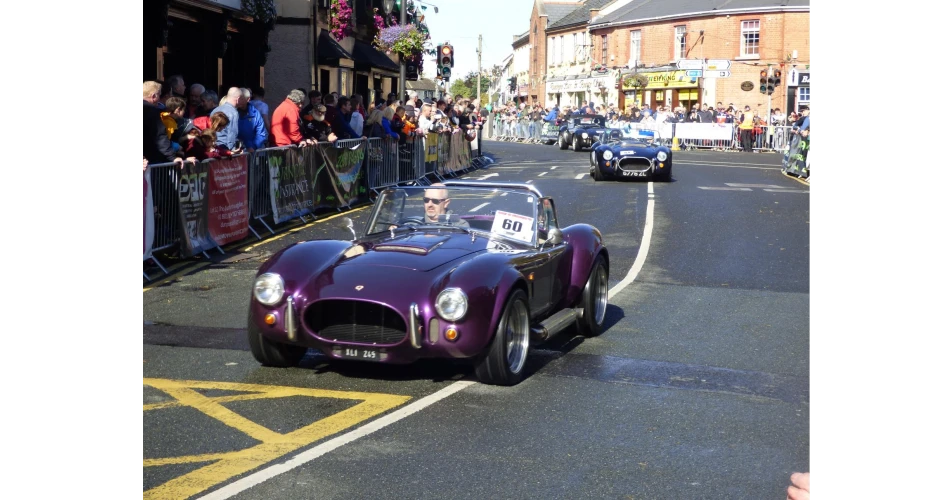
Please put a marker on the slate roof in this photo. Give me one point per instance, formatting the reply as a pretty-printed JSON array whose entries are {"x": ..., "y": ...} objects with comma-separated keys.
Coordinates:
[
  {"x": 580, "y": 15},
  {"x": 556, "y": 11},
  {"x": 650, "y": 9}
]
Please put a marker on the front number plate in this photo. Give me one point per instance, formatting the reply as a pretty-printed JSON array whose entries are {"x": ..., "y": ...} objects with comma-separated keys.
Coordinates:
[
  {"x": 633, "y": 173},
  {"x": 360, "y": 353}
]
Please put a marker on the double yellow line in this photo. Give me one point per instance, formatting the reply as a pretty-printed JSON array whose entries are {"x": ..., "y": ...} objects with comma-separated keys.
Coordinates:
[{"x": 186, "y": 268}]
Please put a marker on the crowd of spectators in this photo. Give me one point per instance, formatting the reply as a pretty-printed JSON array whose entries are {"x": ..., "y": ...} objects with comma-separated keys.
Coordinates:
[
  {"x": 753, "y": 129},
  {"x": 192, "y": 124}
]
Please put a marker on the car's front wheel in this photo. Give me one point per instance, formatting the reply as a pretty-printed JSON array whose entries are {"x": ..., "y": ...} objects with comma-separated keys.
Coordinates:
[
  {"x": 575, "y": 146},
  {"x": 271, "y": 353},
  {"x": 505, "y": 360},
  {"x": 594, "y": 300}
]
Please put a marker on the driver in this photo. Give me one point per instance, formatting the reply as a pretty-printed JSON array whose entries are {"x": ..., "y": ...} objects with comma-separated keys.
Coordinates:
[{"x": 435, "y": 201}]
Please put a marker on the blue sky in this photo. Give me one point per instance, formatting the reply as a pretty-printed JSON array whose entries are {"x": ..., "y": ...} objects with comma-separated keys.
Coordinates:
[{"x": 461, "y": 22}]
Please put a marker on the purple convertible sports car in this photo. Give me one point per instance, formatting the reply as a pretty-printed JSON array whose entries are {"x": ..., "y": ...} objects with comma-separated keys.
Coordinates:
[{"x": 470, "y": 270}]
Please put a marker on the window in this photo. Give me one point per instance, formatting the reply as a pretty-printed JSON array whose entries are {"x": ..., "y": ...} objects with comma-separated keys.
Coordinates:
[
  {"x": 680, "y": 42},
  {"x": 574, "y": 47},
  {"x": 551, "y": 51},
  {"x": 803, "y": 95},
  {"x": 605, "y": 50},
  {"x": 750, "y": 38},
  {"x": 588, "y": 46},
  {"x": 634, "y": 54},
  {"x": 561, "y": 49}
]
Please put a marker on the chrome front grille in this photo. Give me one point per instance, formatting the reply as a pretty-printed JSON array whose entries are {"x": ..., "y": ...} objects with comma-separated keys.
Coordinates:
[
  {"x": 355, "y": 321},
  {"x": 634, "y": 164}
]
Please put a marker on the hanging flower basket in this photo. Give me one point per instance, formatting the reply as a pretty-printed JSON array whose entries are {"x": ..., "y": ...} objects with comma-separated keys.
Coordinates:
[
  {"x": 341, "y": 16},
  {"x": 404, "y": 40}
]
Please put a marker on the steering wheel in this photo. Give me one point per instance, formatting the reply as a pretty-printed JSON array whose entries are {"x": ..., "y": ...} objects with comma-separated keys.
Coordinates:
[{"x": 411, "y": 221}]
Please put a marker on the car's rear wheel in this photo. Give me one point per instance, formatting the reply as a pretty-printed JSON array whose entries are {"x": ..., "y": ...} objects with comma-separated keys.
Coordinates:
[
  {"x": 505, "y": 360},
  {"x": 271, "y": 353},
  {"x": 594, "y": 300}
]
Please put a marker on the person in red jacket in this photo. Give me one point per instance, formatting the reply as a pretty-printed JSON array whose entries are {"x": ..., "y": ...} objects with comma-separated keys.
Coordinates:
[{"x": 286, "y": 121}]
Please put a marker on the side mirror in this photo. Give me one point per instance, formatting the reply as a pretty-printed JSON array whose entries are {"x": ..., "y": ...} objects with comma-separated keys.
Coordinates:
[
  {"x": 348, "y": 223},
  {"x": 554, "y": 237}
]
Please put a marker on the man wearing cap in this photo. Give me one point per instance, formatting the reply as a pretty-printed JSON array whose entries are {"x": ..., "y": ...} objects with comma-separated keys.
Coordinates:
[{"x": 316, "y": 127}]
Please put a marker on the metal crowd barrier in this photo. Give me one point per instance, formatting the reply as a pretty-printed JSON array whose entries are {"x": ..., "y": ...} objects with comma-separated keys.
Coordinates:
[
  {"x": 772, "y": 138},
  {"x": 386, "y": 163}
]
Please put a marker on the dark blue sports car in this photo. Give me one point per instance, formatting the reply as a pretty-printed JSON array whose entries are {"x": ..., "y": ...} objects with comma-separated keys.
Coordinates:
[
  {"x": 614, "y": 156},
  {"x": 581, "y": 131}
]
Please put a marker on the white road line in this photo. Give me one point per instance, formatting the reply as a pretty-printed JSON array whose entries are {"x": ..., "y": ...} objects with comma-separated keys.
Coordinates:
[
  {"x": 642, "y": 249},
  {"x": 732, "y": 184},
  {"x": 328, "y": 446},
  {"x": 480, "y": 206},
  {"x": 785, "y": 191},
  {"x": 579, "y": 176},
  {"x": 543, "y": 173},
  {"x": 724, "y": 188},
  {"x": 529, "y": 181},
  {"x": 553, "y": 167},
  {"x": 709, "y": 164}
]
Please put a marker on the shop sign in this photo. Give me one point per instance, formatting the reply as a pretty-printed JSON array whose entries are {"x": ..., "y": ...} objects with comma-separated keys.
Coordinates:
[
  {"x": 579, "y": 85},
  {"x": 665, "y": 80}
]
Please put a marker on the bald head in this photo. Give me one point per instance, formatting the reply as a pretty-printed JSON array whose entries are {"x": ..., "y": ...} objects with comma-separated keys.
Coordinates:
[{"x": 233, "y": 95}]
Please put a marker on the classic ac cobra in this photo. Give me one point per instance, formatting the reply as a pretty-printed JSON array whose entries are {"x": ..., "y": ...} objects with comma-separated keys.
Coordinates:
[
  {"x": 614, "y": 156},
  {"x": 468, "y": 270},
  {"x": 581, "y": 131}
]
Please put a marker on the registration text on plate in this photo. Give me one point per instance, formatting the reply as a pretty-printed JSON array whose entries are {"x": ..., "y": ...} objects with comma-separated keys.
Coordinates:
[{"x": 514, "y": 226}]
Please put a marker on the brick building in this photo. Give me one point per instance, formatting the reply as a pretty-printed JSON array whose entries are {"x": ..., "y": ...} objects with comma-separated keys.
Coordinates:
[
  {"x": 653, "y": 35},
  {"x": 571, "y": 78},
  {"x": 305, "y": 55},
  {"x": 544, "y": 13}
]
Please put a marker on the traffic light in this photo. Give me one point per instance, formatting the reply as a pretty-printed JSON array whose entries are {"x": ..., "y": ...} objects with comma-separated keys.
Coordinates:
[
  {"x": 512, "y": 85},
  {"x": 446, "y": 55},
  {"x": 763, "y": 81},
  {"x": 772, "y": 81}
]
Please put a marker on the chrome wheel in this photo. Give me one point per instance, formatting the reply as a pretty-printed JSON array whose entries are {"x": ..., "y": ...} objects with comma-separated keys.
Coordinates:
[
  {"x": 517, "y": 336},
  {"x": 601, "y": 294}
]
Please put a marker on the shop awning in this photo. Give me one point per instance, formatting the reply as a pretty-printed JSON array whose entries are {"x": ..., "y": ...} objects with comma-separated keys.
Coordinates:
[
  {"x": 330, "y": 53},
  {"x": 367, "y": 57}
]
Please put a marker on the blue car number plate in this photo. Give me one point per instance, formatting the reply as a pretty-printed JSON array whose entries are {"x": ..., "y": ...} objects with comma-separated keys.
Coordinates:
[
  {"x": 361, "y": 353},
  {"x": 633, "y": 173}
]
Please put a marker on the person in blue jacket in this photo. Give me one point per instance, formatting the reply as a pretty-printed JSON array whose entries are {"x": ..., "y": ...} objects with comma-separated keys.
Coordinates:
[
  {"x": 553, "y": 114},
  {"x": 251, "y": 127}
]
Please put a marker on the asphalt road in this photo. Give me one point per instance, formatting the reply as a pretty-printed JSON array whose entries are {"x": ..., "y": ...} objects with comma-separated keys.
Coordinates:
[{"x": 698, "y": 388}]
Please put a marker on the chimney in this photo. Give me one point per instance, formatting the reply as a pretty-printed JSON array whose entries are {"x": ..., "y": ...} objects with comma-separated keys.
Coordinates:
[{"x": 593, "y": 13}]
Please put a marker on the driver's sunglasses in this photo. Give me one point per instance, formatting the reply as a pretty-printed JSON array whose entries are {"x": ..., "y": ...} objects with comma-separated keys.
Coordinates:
[{"x": 435, "y": 201}]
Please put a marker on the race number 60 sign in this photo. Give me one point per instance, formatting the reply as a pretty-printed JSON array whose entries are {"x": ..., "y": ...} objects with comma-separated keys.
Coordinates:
[{"x": 513, "y": 226}]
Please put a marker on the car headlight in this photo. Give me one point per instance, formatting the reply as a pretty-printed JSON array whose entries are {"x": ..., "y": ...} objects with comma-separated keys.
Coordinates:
[
  {"x": 269, "y": 289},
  {"x": 662, "y": 156},
  {"x": 607, "y": 155},
  {"x": 584, "y": 135},
  {"x": 451, "y": 304}
]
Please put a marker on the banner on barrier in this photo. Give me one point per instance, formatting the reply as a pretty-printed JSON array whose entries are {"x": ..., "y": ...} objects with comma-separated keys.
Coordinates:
[
  {"x": 340, "y": 175},
  {"x": 431, "y": 145},
  {"x": 706, "y": 131},
  {"x": 292, "y": 184},
  {"x": 228, "y": 200},
  {"x": 148, "y": 215},
  {"x": 193, "y": 209},
  {"x": 463, "y": 150}
]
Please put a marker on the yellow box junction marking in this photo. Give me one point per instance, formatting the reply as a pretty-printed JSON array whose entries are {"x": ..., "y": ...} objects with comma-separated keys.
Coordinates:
[{"x": 273, "y": 444}]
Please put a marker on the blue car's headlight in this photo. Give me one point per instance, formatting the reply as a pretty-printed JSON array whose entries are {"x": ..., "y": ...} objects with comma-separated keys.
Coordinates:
[
  {"x": 607, "y": 155},
  {"x": 584, "y": 135},
  {"x": 451, "y": 304},
  {"x": 269, "y": 289},
  {"x": 662, "y": 156}
]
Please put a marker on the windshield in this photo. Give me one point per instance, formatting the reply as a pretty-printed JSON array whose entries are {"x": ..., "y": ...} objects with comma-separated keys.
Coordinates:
[
  {"x": 505, "y": 213},
  {"x": 591, "y": 120}
]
